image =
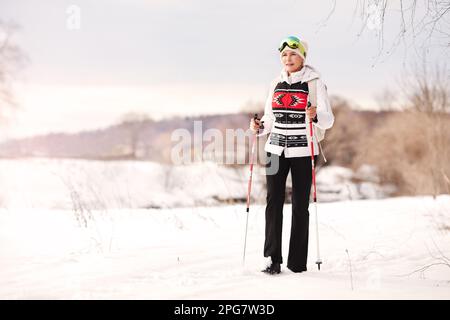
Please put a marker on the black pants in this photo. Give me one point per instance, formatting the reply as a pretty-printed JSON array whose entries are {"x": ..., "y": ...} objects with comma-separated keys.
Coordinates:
[{"x": 301, "y": 173}]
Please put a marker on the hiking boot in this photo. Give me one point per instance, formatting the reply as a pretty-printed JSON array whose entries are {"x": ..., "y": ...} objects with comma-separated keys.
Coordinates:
[{"x": 273, "y": 268}]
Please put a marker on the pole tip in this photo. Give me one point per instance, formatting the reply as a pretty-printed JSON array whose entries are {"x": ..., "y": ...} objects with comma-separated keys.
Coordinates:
[{"x": 318, "y": 264}]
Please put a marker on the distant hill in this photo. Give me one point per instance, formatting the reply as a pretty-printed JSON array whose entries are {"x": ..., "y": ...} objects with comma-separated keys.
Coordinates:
[
  {"x": 139, "y": 140},
  {"x": 151, "y": 140}
]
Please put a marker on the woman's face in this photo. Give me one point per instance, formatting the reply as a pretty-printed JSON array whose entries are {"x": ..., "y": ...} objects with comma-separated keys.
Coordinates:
[{"x": 291, "y": 61}]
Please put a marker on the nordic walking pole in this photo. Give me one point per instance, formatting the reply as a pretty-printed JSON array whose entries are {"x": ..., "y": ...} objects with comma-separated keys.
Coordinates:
[
  {"x": 249, "y": 187},
  {"x": 311, "y": 134}
]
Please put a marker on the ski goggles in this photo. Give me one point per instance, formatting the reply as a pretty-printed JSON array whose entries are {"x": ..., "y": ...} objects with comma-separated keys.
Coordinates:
[{"x": 293, "y": 43}]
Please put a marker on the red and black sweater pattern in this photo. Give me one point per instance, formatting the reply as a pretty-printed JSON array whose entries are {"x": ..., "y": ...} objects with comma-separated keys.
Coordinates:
[{"x": 288, "y": 105}]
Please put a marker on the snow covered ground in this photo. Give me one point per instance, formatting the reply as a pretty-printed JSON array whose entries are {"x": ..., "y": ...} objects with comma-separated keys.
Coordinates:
[
  {"x": 65, "y": 183},
  {"x": 76, "y": 229},
  {"x": 371, "y": 249}
]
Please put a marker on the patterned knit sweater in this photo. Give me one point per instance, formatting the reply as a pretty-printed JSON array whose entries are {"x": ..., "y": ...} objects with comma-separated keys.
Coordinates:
[{"x": 285, "y": 118}]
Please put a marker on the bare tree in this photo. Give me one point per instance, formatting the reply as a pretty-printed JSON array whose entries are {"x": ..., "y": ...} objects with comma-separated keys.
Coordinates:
[
  {"x": 421, "y": 23},
  {"x": 421, "y": 88},
  {"x": 426, "y": 90},
  {"x": 427, "y": 93},
  {"x": 386, "y": 99},
  {"x": 11, "y": 59},
  {"x": 411, "y": 147},
  {"x": 134, "y": 123}
]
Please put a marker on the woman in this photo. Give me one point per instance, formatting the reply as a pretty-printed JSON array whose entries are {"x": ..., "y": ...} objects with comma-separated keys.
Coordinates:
[{"x": 286, "y": 120}]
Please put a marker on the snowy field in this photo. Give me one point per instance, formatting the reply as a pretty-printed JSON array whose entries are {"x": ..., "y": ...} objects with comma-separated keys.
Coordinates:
[
  {"x": 65, "y": 247},
  {"x": 371, "y": 249}
]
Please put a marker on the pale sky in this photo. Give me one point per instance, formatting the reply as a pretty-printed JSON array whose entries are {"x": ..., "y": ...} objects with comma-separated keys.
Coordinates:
[{"x": 182, "y": 57}]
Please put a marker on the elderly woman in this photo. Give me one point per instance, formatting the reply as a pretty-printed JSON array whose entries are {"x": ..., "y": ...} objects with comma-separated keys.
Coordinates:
[{"x": 286, "y": 119}]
